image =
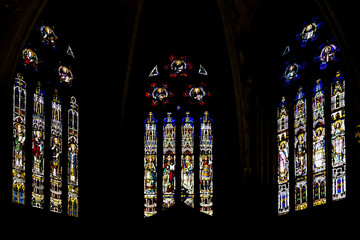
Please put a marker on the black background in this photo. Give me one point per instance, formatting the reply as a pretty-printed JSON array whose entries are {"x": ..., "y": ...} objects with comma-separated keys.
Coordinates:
[{"x": 111, "y": 119}]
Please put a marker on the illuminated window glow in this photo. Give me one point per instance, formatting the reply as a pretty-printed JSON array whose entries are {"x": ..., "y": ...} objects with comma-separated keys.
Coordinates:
[
  {"x": 19, "y": 138},
  {"x": 150, "y": 165},
  {"x": 38, "y": 148},
  {"x": 283, "y": 158},
  {"x": 73, "y": 161},
  {"x": 56, "y": 155}
]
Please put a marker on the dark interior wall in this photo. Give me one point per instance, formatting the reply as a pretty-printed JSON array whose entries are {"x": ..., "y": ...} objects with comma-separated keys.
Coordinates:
[{"x": 239, "y": 42}]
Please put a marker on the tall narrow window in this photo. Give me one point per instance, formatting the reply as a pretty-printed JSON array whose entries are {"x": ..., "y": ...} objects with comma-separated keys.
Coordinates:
[
  {"x": 319, "y": 158},
  {"x": 206, "y": 165},
  {"x": 56, "y": 154},
  {"x": 338, "y": 147},
  {"x": 73, "y": 161},
  {"x": 38, "y": 148},
  {"x": 150, "y": 166},
  {"x": 19, "y": 137},
  {"x": 169, "y": 161},
  {"x": 187, "y": 160},
  {"x": 283, "y": 158},
  {"x": 300, "y": 149}
]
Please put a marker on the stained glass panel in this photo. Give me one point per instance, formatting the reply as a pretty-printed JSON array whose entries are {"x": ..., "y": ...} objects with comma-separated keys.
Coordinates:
[
  {"x": 338, "y": 146},
  {"x": 150, "y": 165},
  {"x": 30, "y": 59},
  {"x": 206, "y": 164},
  {"x": 65, "y": 75},
  {"x": 169, "y": 161},
  {"x": 319, "y": 158},
  {"x": 327, "y": 54},
  {"x": 38, "y": 148},
  {"x": 56, "y": 155},
  {"x": 73, "y": 161},
  {"x": 300, "y": 155},
  {"x": 283, "y": 158},
  {"x": 309, "y": 32},
  {"x": 178, "y": 66},
  {"x": 48, "y": 36},
  {"x": 187, "y": 160},
  {"x": 197, "y": 93},
  {"x": 19, "y": 137},
  {"x": 159, "y": 94}
]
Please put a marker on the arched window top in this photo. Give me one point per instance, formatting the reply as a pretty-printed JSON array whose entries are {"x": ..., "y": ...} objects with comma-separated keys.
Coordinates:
[
  {"x": 150, "y": 119},
  {"x": 188, "y": 119},
  {"x": 206, "y": 118}
]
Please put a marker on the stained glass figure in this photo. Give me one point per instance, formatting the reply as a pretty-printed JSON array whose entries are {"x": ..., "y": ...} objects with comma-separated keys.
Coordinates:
[
  {"x": 309, "y": 32},
  {"x": 197, "y": 94},
  {"x": 30, "y": 59},
  {"x": 38, "y": 148},
  {"x": 327, "y": 54},
  {"x": 338, "y": 146},
  {"x": 178, "y": 66},
  {"x": 73, "y": 161},
  {"x": 319, "y": 156},
  {"x": 300, "y": 148},
  {"x": 159, "y": 94},
  {"x": 48, "y": 36},
  {"x": 206, "y": 165},
  {"x": 169, "y": 161},
  {"x": 19, "y": 138},
  {"x": 65, "y": 74},
  {"x": 56, "y": 155},
  {"x": 283, "y": 158},
  {"x": 150, "y": 165},
  {"x": 187, "y": 160},
  {"x": 291, "y": 72}
]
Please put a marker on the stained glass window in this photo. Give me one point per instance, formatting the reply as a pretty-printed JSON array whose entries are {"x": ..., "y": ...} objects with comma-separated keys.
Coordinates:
[
  {"x": 187, "y": 160},
  {"x": 19, "y": 138},
  {"x": 73, "y": 161},
  {"x": 48, "y": 66},
  {"x": 150, "y": 165},
  {"x": 56, "y": 155},
  {"x": 300, "y": 148},
  {"x": 169, "y": 161},
  {"x": 319, "y": 153},
  {"x": 283, "y": 158},
  {"x": 206, "y": 164},
  {"x": 315, "y": 166},
  {"x": 338, "y": 146},
  {"x": 186, "y": 164},
  {"x": 38, "y": 148}
]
